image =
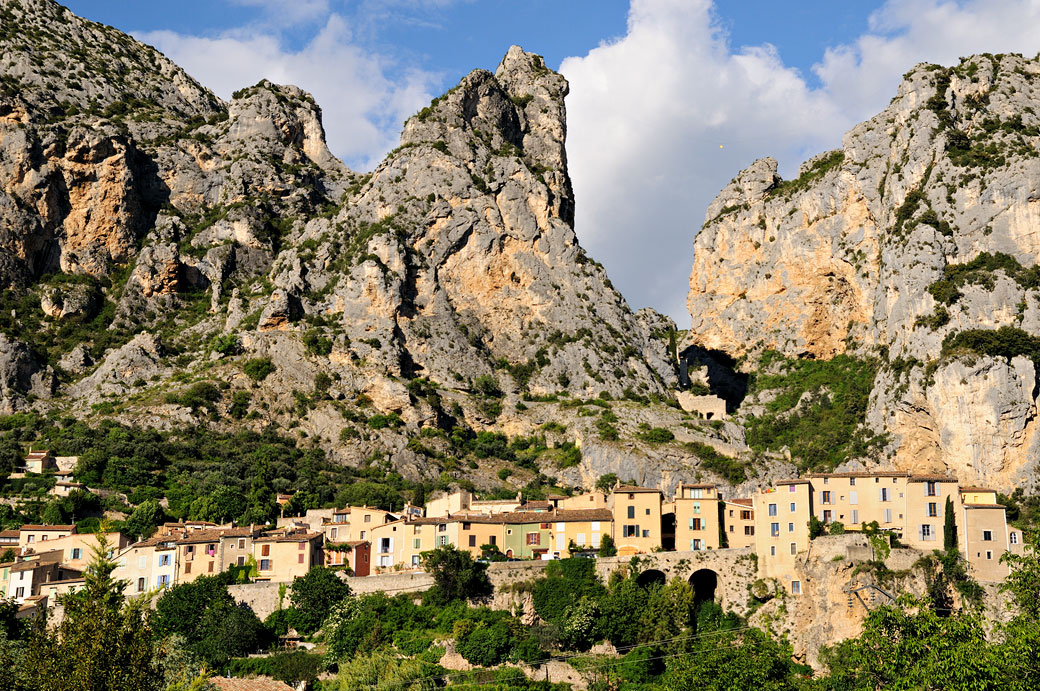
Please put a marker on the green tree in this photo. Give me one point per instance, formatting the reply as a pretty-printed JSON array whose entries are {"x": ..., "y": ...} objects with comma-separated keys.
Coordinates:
[
  {"x": 606, "y": 482},
  {"x": 1023, "y": 581},
  {"x": 911, "y": 646},
  {"x": 103, "y": 642},
  {"x": 314, "y": 595},
  {"x": 949, "y": 527},
  {"x": 748, "y": 660},
  {"x": 606, "y": 546},
  {"x": 145, "y": 519},
  {"x": 456, "y": 576}
]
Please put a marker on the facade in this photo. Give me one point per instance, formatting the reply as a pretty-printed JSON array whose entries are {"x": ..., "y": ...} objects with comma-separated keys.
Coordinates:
[
  {"x": 33, "y": 535},
  {"x": 697, "y": 517},
  {"x": 985, "y": 535},
  {"x": 77, "y": 550},
  {"x": 637, "y": 519},
  {"x": 738, "y": 519},
  {"x": 282, "y": 557},
  {"x": 782, "y": 526},
  {"x": 854, "y": 499},
  {"x": 39, "y": 461},
  {"x": 924, "y": 508}
]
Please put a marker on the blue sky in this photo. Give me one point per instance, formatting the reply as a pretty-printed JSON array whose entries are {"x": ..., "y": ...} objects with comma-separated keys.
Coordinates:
[{"x": 669, "y": 98}]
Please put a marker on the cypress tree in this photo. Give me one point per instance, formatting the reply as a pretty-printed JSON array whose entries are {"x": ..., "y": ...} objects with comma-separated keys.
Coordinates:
[{"x": 950, "y": 528}]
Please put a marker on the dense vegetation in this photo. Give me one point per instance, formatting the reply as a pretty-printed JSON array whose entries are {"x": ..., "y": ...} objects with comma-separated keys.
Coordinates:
[
  {"x": 1005, "y": 342},
  {"x": 817, "y": 410},
  {"x": 982, "y": 271}
]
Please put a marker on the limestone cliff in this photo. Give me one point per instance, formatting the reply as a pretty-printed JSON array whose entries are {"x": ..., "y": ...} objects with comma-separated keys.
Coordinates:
[
  {"x": 921, "y": 229},
  {"x": 154, "y": 237}
]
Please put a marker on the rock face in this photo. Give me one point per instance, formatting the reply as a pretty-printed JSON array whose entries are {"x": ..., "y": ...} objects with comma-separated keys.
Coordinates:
[
  {"x": 855, "y": 254},
  {"x": 138, "y": 209}
]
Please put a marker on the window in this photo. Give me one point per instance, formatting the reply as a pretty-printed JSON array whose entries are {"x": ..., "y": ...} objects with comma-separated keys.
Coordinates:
[
  {"x": 164, "y": 560},
  {"x": 794, "y": 507},
  {"x": 695, "y": 544},
  {"x": 796, "y": 587},
  {"x": 855, "y": 516},
  {"x": 140, "y": 585},
  {"x": 648, "y": 511},
  {"x": 772, "y": 509},
  {"x": 695, "y": 524},
  {"x": 826, "y": 498},
  {"x": 731, "y": 529},
  {"x": 883, "y": 494},
  {"x": 265, "y": 564},
  {"x": 442, "y": 527},
  {"x": 142, "y": 562},
  {"x": 1014, "y": 537},
  {"x": 534, "y": 538},
  {"x": 989, "y": 555},
  {"x": 745, "y": 515},
  {"x": 888, "y": 515},
  {"x": 265, "y": 550},
  {"x": 630, "y": 531},
  {"x": 772, "y": 550},
  {"x": 852, "y": 482},
  {"x": 827, "y": 515},
  {"x": 931, "y": 489},
  {"x": 826, "y": 481},
  {"x": 493, "y": 540},
  {"x": 210, "y": 569},
  {"x": 933, "y": 509},
  {"x": 163, "y": 581},
  {"x": 32, "y": 538},
  {"x": 19, "y": 592},
  {"x": 926, "y": 532},
  {"x": 987, "y": 535},
  {"x": 794, "y": 548},
  {"x": 299, "y": 558},
  {"x": 241, "y": 561},
  {"x": 774, "y": 529},
  {"x": 646, "y": 533},
  {"x": 301, "y": 546},
  {"x": 416, "y": 543},
  {"x": 362, "y": 534},
  {"x": 790, "y": 527},
  {"x": 187, "y": 567},
  {"x": 790, "y": 488},
  {"x": 696, "y": 493},
  {"x": 472, "y": 540},
  {"x": 77, "y": 553},
  {"x": 631, "y": 512},
  {"x": 631, "y": 497},
  {"x": 368, "y": 518},
  {"x": 853, "y": 497},
  {"x": 696, "y": 507},
  {"x": 749, "y": 530}
]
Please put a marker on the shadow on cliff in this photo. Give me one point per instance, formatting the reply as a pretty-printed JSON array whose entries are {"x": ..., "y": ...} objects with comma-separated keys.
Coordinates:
[{"x": 723, "y": 378}]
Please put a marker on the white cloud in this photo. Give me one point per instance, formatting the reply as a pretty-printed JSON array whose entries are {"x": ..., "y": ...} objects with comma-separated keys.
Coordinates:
[
  {"x": 363, "y": 107},
  {"x": 648, "y": 113}
]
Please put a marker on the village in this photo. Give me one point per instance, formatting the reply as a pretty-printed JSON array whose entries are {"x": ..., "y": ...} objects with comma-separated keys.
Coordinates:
[{"x": 777, "y": 524}]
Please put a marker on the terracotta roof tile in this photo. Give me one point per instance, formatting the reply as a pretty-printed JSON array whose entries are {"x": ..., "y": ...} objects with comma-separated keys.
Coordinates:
[
  {"x": 741, "y": 502},
  {"x": 963, "y": 489},
  {"x": 49, "y": 527},
  {"x": 254, "y": 684},
  {"x": 632, "y": 489},
  {"x": 933, "y": 478}
]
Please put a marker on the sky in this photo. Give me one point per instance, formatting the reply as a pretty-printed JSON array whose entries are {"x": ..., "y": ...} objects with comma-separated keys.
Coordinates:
[{"x": 669, "y": 98}]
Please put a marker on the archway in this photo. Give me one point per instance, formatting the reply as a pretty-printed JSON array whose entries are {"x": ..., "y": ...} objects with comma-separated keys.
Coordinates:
[
  {"x": 704, "y": 582},
  {"x": 650, "y": 577}
]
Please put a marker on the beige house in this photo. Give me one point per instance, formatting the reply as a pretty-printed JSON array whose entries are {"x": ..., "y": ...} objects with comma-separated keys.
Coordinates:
[
  {"x": 924, "y": 508},
  {"x": 697, "y": 508},
  {"x": 39, "y": 461},
  {"x": 462, "y": 501},
  {"x": 148, "y": 565},
  {"x": 589, "y": 500},
  {"x": 782, "y": 529},
  {"x": 985, "y": 535},
  {"x": 33, "y": 535},
  {"x": 26, "y": 578},
  {"x": 208, "y": 552},
  {"x": 78, "y": 549},
  {"x": 738, "y": 518},
  {"x": 637, "y": 519},
  {"x": 282, "y": 557},
  {"x": 854, "y": 499}
]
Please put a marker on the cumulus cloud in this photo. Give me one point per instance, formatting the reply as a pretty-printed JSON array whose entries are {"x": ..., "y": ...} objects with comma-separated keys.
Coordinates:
[
  {"x": 363, "y": 105},
  {"x": 662, "y": 118}
]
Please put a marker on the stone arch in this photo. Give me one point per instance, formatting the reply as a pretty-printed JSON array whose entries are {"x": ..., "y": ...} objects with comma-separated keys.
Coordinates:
[
  {"x": 651, "y": 577},
  {"x": 704, "y": 582}
]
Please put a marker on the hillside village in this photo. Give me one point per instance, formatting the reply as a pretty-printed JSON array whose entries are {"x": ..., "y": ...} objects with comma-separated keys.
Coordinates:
[{"x": 777, "y": 524}]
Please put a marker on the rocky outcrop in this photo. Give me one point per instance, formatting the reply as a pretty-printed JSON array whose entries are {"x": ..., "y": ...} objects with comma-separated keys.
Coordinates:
[{"x": 851, "y": 256}]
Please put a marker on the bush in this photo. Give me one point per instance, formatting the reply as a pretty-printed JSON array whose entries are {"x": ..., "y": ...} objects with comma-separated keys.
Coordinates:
[
  {"x": 258, "y": 368},
  {"x": 314, "y": 595},
  {"x": 656, "y": 435}
]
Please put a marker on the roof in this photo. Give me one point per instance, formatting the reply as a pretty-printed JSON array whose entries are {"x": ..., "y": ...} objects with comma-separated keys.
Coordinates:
[
  {"x": 214, "y": 535},
  {"x": 254, "y": 684},
  {"x": 984, "y": 506},
  {"x": 963, "y": 489},
  {"x": 742, "y": 502},
  {"x": 536, "y": 504},
  {"x": 8, "y": 533},
  {"x": 37, "y": 454},
  {"x": 632, "y": 489},
  {"x": 289, "y": 537},
  {"x": 697, "y": 485},
  {"x": 561, "y": 516},
  {"x": 933, "y": 478},
  {"x": 796, "y": 481},
  {"x": 32, "y": 565},
  {"x": 863, "y": 473},
  {"x": 69, "y": 528},
  {"x": 356, "y": 543}
]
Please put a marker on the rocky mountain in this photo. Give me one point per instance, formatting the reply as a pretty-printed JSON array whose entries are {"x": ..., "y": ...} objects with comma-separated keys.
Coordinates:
[
  {"x": 915, "y": 244},
  {"x": 171, "y": 259}
]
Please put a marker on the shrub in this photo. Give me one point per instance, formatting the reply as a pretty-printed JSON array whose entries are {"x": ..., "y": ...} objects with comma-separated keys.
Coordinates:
[{"x": 258, "y": 368}]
